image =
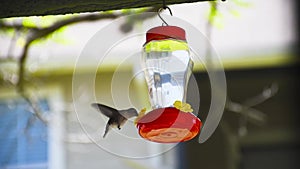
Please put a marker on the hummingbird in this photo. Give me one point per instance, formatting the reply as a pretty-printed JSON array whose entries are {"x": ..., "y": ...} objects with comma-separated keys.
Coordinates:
[{"x": 117, "y": 118}]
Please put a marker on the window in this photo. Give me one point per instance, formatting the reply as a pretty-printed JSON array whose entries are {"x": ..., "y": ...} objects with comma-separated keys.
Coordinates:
[
  {"x": 24, "y": 138},
  {"x": 25, "y": 141}
]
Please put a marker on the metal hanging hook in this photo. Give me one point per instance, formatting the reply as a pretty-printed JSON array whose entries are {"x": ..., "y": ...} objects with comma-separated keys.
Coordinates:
[
  {"x": 160, "y": 10},
  {"x": 164, "y": 7}
]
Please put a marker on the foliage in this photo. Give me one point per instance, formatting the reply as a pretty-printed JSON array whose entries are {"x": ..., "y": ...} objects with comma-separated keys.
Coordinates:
[
  {"x": 216, "y": 16},
  {"x": 29, "y": 31}
]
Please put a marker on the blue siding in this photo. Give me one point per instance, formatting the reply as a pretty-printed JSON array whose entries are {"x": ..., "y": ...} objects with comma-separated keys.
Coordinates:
[{"x": 20, "y": 145}]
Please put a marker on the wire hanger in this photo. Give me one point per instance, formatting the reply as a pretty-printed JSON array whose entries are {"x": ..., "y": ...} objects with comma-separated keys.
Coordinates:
[{"x": 164, "y": 7}]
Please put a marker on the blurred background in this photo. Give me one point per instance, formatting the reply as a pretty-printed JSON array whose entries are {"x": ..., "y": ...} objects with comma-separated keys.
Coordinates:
[{"x": 46, "y": 120}]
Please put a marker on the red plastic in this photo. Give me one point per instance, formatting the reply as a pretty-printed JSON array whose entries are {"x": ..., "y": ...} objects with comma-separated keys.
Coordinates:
[
  {"x": 168, "y": 125},
  {"x": 165, "y": 32}
]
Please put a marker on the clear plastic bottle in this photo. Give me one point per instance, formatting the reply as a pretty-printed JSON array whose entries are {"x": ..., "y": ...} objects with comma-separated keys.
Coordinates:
[{"x": 167, "y": 65}]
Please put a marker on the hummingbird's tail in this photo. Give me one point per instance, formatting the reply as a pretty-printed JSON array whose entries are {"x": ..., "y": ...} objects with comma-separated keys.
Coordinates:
[{"x": 106, "y": 130}]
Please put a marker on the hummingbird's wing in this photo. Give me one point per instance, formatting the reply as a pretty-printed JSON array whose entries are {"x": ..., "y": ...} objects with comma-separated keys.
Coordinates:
[
  {"x": 117, "y": 118},
  {"x": 106, "y": 110},
  {"x": 131, "y": 112}
]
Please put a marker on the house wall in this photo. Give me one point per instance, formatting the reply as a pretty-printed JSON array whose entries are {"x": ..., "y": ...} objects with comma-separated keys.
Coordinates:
[
  {"x": 273, "y": 143},
  {"x": 277, "y": 136},
  {"x": 82, "y": 120}
]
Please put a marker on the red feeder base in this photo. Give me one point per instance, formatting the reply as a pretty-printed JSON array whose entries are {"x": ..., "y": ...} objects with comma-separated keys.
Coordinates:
[{"x": 168, "y": 125}]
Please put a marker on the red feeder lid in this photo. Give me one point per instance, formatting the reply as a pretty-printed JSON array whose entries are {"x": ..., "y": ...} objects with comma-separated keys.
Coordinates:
[
  {"x": 168, "y": 125},
  {"x": 165, "y": 32}
]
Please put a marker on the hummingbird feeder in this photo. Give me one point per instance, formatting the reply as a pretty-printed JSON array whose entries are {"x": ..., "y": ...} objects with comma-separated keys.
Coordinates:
[{"x": 167, "y": 68}]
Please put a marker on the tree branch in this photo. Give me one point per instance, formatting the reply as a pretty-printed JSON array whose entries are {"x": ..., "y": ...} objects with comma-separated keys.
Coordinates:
[
  {"x": 36, "y": 33},
  {"x": 5, "y": 25},
  {"x": 22, "y": 61},
  {"x": 35, "y": 107}
]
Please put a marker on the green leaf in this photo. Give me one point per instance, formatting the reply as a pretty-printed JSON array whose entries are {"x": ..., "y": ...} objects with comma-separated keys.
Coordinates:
[
  {"x": 242, "y": 3},
  {"x": 235, "y": 13},
  {"x": 60, "y": 38},
  {"x": 21, "y": 41},
  {"x": 29, "y": 22},
  {"x": 215, "y": 17}
]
